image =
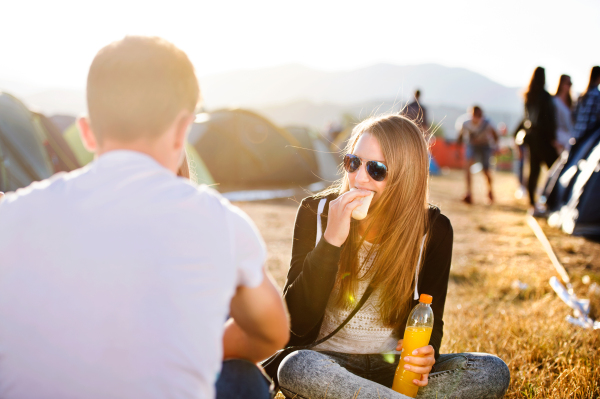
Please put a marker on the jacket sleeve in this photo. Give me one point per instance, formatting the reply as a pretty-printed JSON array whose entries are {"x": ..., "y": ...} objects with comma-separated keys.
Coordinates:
[
  {"x": 435, "y": 276},
  {"x": 312, "y": 273}
]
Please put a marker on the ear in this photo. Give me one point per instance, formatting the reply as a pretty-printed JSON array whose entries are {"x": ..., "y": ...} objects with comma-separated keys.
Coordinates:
[
  {"x": 182, "y": 128},
  {"x": 87, "y": 136}
]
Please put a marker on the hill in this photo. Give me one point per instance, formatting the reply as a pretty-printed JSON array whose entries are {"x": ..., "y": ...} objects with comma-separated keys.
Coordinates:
[
  {"x": 318, "y": 115},
  {"x": 383, "y": 82},
  {"x": 301, "y": 95}
]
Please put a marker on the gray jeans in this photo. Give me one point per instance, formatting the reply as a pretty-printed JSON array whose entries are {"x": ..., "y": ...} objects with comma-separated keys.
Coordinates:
[{"x": 308, "y": 374}]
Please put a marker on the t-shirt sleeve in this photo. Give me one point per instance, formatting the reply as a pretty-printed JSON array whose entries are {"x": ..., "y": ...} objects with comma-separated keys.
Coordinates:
[{"x": 249, "y": 252}]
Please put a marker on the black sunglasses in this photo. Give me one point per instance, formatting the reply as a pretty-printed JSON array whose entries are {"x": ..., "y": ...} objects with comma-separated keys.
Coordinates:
[{"x": 377, "y": 170}]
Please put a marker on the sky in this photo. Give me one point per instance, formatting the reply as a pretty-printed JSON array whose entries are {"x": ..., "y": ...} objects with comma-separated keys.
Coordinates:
[{"x": 52, "y": 43}]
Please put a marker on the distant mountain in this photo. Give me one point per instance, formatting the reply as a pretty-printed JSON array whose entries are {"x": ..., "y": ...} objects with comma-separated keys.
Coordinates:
[
  {"x": 319, "y": 115},
  {"x": 301, "y": 95},
  {"x": 291, "y": 83}
]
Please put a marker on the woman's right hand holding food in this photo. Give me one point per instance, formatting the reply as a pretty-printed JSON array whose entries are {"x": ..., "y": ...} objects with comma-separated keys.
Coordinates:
[{"x": 340, "y": 215}]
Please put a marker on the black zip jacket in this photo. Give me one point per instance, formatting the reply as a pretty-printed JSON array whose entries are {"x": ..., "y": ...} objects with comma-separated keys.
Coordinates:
[{"x": 313, "y": 271}]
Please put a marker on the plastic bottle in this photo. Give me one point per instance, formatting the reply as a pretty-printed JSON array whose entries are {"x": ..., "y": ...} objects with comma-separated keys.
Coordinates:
[{"x": 416, "y": 335}]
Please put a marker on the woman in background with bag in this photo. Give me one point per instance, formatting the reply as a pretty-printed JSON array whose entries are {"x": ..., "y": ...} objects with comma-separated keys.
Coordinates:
[{"x": 366, "y": 275}]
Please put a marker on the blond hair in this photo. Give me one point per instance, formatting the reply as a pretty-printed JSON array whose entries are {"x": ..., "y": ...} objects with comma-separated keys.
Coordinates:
[
  {"x": 137, "y": 86},
  {"x": 401, "y": 217}
]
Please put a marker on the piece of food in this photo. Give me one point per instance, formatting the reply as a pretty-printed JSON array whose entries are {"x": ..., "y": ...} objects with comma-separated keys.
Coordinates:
[{"x": 361, "y": 211}]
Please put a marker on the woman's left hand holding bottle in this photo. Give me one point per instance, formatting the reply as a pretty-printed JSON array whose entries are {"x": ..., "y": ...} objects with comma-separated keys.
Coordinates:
[{"x": 420, "y": 361}]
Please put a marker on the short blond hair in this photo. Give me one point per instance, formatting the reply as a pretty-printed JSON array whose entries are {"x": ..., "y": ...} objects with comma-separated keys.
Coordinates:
[{"x": 137, "y": 86}]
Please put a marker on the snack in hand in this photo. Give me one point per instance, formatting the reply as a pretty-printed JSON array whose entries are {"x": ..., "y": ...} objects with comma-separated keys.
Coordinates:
[{"x": 361, "y": 211}]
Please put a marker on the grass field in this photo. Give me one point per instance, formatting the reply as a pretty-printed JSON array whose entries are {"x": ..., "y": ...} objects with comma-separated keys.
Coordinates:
[{"x": 485, "y": 310}]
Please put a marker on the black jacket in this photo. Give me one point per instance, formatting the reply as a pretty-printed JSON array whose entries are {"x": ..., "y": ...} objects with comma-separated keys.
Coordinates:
[
  {"x": 542, "y": 117},
  {"x": 313, "y": 270}
]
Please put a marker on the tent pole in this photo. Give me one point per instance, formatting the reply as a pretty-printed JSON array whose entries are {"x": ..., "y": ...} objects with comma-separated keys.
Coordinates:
[{"x": 539, "y": 233}]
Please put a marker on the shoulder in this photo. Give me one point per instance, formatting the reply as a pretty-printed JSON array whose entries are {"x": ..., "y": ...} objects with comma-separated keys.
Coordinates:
[
  {"x": 213, "y": 202},
  {"x": 313, "y": 201},
  {"x": 309, "y": 208},
  {"x": 440, "y": 225},
  {"x": 37, "y": 194}
]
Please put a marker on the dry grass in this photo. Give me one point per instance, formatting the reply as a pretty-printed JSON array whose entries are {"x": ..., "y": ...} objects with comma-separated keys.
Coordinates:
[{"x": 485, "y": 312}]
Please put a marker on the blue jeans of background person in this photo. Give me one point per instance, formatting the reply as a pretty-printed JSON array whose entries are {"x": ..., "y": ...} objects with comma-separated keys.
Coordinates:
[
  {"x": 481, "y": 153},
  {"x": 310, "y": 374},
  {"x": 242, "y": 379}
]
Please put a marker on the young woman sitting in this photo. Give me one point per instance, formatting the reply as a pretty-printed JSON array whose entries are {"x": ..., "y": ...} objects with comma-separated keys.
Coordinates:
[{"x": 401, "y": 249}]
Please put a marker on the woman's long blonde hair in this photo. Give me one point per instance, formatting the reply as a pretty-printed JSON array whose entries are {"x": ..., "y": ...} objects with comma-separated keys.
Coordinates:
[{"x": 400, "y": 214}]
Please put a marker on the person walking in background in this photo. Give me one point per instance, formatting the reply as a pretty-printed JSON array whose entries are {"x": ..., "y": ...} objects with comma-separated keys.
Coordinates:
[
  {"x": 480, "y": 137},
  {"x": 116, "y": 279},
  {"x": 539, "y": 125},
  {"x": 563, "y": 103},
  {"x": 416, "y": 112},
  {"x": 587, "y": 112}
]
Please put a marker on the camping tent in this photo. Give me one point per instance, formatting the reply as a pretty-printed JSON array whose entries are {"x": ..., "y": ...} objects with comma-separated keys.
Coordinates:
[
  {"x": 244, "y": 150},
  {"x": 324, "y": 161},
  {"x": 572, "y": 192},
  {"x": 198, "y": 171},
  {"x": 62, "y": 122},
  {"x": 23, "y": 158},
  {"x": 61, "y": 156}
]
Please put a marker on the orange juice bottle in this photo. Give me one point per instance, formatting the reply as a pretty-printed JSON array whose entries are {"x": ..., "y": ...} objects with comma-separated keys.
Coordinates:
[{"x": 416, "y": 335}]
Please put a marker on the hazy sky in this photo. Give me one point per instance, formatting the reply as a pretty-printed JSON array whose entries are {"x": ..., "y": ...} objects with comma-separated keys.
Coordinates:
[{"x": 53, "y": 42}]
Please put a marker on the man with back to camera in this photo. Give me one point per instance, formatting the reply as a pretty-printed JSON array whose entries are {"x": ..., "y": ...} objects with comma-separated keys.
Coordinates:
[
  {"x": 481, "y": 138},
  {"x": 116, "y": 279}
]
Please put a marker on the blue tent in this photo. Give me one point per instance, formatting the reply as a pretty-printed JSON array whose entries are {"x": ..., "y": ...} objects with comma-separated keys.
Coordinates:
[{"x": 572, "y": 192}]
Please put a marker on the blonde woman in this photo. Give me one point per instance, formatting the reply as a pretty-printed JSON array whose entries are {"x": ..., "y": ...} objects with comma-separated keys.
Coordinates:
[{"x": 402, "y": 248}]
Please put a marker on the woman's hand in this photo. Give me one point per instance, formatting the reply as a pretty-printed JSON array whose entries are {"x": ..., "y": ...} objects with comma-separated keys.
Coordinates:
[
  {"x": 420, "y": 361},
  {"x": 340, "y": 214}
]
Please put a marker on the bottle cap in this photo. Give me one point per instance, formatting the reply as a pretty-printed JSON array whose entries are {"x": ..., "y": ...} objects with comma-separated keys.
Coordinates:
[{"x": 425, "y": 298}]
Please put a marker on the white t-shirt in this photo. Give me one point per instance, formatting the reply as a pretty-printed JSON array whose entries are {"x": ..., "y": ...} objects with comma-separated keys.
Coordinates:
[
  {"x": 115, "y": 282},
  {"x": 564, "y": 125},
  {"x": 480, "y": 134}
]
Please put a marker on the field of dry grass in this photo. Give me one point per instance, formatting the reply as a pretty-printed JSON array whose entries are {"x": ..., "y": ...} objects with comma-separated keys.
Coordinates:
[{"x": 485, "y": 311}]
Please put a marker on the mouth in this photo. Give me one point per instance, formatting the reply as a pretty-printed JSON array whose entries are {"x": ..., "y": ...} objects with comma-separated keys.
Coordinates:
[{"x": 366, "y": 189}]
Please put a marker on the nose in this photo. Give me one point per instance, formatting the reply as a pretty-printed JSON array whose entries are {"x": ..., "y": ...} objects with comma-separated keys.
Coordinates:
[{"x": 361, "y": 174}]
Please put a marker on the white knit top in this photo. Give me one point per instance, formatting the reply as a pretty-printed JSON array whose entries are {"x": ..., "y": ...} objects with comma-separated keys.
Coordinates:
[{"x": 365, "y": 332}]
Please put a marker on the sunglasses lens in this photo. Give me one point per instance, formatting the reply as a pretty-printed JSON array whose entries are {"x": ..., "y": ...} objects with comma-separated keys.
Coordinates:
[
  {"x": 376, "y": 170},
  {"x": 351, "y": 163}
]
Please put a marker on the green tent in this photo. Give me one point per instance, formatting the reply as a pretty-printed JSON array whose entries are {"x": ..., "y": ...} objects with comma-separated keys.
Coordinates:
[
  {"x": 23, "y": 157},
  {"x": 198, "y": 171},
  {"x": 244, "y": 150},
  {"x": 73, "y": 138}
]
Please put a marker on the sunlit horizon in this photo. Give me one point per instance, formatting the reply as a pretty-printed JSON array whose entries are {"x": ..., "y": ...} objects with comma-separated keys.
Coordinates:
[{"x": 52, "y": 44}]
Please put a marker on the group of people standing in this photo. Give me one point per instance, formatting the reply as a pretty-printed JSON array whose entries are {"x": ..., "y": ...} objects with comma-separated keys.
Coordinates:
[{"x": 552, "y": 124}]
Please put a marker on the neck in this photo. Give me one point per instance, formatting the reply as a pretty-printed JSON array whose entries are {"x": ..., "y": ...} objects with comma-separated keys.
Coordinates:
[
  {"x": 152, "y": 148},
  {"x": 373, "y": 231}
]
